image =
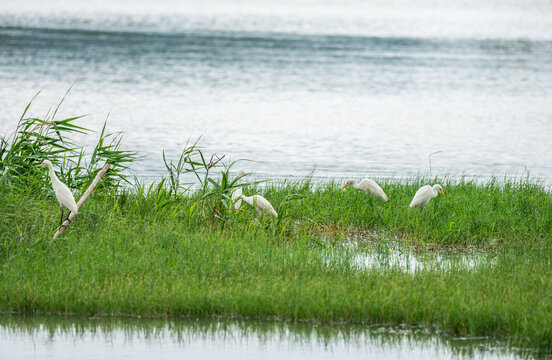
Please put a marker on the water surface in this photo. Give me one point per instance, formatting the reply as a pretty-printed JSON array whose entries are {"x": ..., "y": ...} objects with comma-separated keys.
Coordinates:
[
  {"x": 347, "y": 87},
  {"x": 393, "y": 256},
  {"x": 123, "y": 338}
]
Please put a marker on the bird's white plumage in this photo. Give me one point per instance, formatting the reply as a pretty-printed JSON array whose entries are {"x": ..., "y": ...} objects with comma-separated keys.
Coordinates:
[
  {"x": 424, "y": 195},
  {"x": 63, "y": 194},
  {"x": 260, "y": 204},
  {"x": 236, "y": 194},
  {"x": 370, "y": 187},
  {"x": 236, "y": 198}
]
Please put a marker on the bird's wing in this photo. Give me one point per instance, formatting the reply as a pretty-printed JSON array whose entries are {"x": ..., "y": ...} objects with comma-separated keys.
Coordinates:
[
  {"x": 65, "y": 197},
  {"x": 373, "y": 189},
  {"x": 376, "y": 190},
  {"x": 422, "y": 195},
  {"x": 264, "y": 205}
]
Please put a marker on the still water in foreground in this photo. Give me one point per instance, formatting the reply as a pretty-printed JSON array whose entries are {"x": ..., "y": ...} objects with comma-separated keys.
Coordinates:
[{"x": 58, "y": 337}]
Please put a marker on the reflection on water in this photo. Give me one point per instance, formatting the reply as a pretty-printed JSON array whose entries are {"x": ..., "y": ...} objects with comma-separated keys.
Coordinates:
[
  {"x": 118, "y": 338},
  {"x": 383, "y": 255},
  {"x": 386, "y": 256}
]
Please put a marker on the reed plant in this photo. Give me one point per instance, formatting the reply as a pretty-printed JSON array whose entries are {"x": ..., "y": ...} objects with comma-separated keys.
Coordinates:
[{"x": 38, "y": 138}]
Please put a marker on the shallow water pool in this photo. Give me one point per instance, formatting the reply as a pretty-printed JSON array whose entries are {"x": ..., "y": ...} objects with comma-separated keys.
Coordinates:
[{"x": 59, "y": 337}]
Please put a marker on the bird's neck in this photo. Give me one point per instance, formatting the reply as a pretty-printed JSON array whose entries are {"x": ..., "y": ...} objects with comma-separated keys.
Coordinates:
[
  {"x": 53, "y": 175},
  {"x": 248, "y": 199}
]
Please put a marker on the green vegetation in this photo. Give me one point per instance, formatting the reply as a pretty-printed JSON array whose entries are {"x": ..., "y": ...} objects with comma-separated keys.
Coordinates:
[{"x": 168, "y": 249}]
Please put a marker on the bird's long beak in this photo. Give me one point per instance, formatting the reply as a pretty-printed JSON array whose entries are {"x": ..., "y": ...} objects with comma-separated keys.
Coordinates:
[
  {"x": 40, "y": 165},
  {"x": 344, "y": 186},
  {"x": 442, "y": 193}
]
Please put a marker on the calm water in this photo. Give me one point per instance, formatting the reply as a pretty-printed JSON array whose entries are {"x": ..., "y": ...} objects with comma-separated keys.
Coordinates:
[
  {"x": 347, "y": 87},
  {"x": 385, "y": 256},
  {"x": 116, "y": 338}
]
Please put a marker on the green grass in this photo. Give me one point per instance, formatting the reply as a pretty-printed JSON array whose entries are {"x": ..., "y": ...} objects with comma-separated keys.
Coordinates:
[
  {"x": 160, "y": 249},
  {"x": 516, "y": 213},
  {"x": 149, "y": 253}
]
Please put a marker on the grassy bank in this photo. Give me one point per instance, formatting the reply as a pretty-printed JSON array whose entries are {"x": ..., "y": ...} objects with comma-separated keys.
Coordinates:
[
  {"x": 124, "y": 254},
  {"x": 165, "y": 249}
]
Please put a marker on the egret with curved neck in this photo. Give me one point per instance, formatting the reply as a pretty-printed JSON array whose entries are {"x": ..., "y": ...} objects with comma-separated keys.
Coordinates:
[
  {"x": 369, "y": 187},
  {"x": 63, "y": 194},
  {"x": 236, "y": 194},
  {"x": 260, "y": 204}
]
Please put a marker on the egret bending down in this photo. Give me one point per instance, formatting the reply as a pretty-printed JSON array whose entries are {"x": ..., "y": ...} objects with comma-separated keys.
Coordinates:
[
  {"x": 425, "y": 194},
  {"x": 260, "y": 204},
  {"x": 369, "y": 187},
  {"x": 63, "y": 194},
  {"x": 236, "y": 194}
]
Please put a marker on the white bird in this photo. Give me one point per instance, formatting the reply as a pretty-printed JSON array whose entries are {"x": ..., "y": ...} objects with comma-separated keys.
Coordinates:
[
  {"x": 236, "y": 194},
  {"x": 63, "y": 194},
  {"x": 369, "y": 187},
  {"x": 260, "y": 204},
  {"x": 425, "y": 194}
]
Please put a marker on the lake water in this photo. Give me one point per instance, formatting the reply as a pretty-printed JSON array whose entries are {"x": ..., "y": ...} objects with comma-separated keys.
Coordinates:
[
  {"x": 131, "y": 338},
  {"x": 349, "y": 88}
]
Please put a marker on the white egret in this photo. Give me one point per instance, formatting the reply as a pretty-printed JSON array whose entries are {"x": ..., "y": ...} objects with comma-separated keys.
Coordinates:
[
  {"x": 369, "y": 187},
  {"x": 63, "y": 194},
  {"x": 236, "y": 194},
  {"x": 260, "y": 204},
  {"x": 425, "y": 194}
]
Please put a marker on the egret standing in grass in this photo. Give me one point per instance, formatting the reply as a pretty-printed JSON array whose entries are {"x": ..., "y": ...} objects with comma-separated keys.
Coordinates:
[
  {"x": 369, "y": 187},
  {"x": 260, "y": 204},
  {"x": 236, "y": 194},
  {"x": 63, "y": 194},
  {"x": 425, "y": 194}
]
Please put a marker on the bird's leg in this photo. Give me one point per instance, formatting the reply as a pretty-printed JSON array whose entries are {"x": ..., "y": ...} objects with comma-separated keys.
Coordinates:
[
  {"x": 61, "y": 218},
  {"x": 375, "y": 209},
  {"x": 374, "y": 215}
]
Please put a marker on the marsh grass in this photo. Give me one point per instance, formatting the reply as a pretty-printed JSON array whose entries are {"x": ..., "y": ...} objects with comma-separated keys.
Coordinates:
[
  {"x": 169, "y": 248},
  {"x": 470, "y": 214},
  {"x": 125, "y": 254}
]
